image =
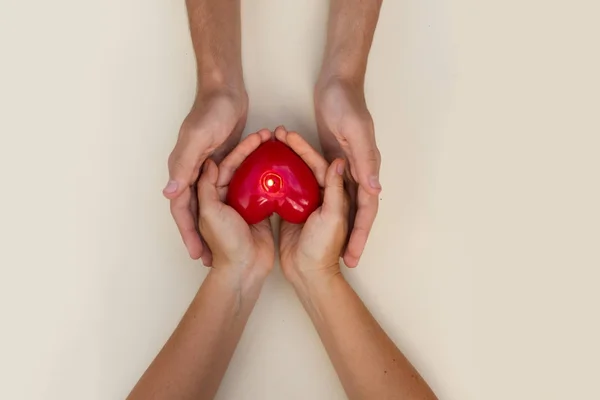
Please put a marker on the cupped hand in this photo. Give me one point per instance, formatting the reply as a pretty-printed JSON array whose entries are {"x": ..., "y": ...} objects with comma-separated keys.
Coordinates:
[
  {"x": 346, "y": 131},
  {"x": 236, "y": 246},
  {"x": 211, "y": 129},
  {"x": 313, "y": 249}
]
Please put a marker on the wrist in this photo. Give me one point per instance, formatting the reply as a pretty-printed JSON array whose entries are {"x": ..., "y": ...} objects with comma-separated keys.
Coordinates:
[
  {"x": 349, "y": 37},
  {"x": 242, "y": 277},
  {"x": 314, "y": 279},
  {"x": 233, "y": 99},
  {"x": 215, "y": 79},
  {"x": 336, "y": 74},
  {"x": 313, "y": 291},
  {"x": 330, "y": 89}
]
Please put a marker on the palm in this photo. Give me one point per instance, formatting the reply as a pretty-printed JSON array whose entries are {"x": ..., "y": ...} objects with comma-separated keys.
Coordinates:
[
  {"x": 343, "y": 121},
  {"x": 211, "y": 129},
  {"x": 254, "y": 244},
  {"x": 232, "y": 241},
  {"x": 264, "y": 244},
  {"x": 296, "y": 238},
  {"x": 346, "y": 131},
  {"x": 289, "y": 238},
  {"x": 311, "y": 247}
]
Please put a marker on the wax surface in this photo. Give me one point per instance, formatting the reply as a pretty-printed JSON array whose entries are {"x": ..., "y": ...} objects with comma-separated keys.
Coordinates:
[{"x": 274, "y": 179}]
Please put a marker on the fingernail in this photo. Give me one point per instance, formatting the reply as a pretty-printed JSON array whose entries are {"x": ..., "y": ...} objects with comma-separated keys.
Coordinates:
[
  {"x": 171, "y": 187},
  {"x": 340, "y": 168},
  {"x": 374, "y": 182},
  {"x": 352, "y": 262}
]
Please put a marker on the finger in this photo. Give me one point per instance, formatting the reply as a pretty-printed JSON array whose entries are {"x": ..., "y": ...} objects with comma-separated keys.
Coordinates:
[
  {"x": 208, "y": 196},
  {"x": 207, "y": 257},
  {"x": 311, "y": 157},
  {"x": 224, "y": 149},
  {"x": 281, "y": 133},
  {"x": 334, "y": 196},
  {"x": 184, "y": 219},
  {"x": 231, "y": 163},
  {"x": 368, "y": 205},
  {"x": 184, "y": 161},
  {"x": 194, "y": 203},
  {"x": 366, "y": 161}
]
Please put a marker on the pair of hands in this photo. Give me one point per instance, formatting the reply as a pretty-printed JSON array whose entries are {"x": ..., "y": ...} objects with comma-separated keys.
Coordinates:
[
  {"x": 307, "y": 251},
  {"x": 215, "y": 124}
]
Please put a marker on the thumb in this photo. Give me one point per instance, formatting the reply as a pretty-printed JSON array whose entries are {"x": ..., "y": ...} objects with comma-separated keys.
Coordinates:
[
  {"x": 366, "y": 161},
  {"x": 183, "y": 169},
  {"x": 334, "y": 197},
  {"x": 207, "y": 186}
]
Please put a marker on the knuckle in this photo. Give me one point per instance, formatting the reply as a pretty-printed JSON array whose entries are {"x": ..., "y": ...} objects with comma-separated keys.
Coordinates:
[
  {"x": 175, "y": 161},
  {"x": 373, "y": 155},
  {"x": 377, "y": 154},
  {"x": 170, "y": 159},
  {"x": 175, "y": 208},
  {"x": 297, "y": 140},
  {"x": 360, "y": 230}
]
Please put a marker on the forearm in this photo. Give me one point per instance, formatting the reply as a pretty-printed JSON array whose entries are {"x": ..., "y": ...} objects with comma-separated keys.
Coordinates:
[
  {"x": 215, "y": 26},
  {"x": 349, "y": 37},
  {"x": 192, "y": 363},
  {"x": 369, "y": 364}
]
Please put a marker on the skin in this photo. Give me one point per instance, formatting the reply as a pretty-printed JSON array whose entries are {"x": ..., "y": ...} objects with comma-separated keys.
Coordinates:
[
  {"x": 192, "y": 363},
  {"x": 217, "y": 118},
  {"x": 344, "y": 123},
  {"x": 368, "y": 363},
  {"x": 215, "y": 123}
]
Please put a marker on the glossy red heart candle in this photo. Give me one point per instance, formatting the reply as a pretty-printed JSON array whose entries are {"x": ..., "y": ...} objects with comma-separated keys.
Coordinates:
[{"x": 274, "y": 179}]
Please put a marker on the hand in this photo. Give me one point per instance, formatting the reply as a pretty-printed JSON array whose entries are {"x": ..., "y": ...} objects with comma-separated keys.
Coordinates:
[
  {"x": 212, "y": 128},
  {"x": 313, "y": 249},
  {"x": 346, "y": 130},
  {"x": 235, "y": 245}
]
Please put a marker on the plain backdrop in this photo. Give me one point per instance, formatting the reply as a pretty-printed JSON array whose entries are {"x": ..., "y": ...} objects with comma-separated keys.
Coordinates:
[{"x": 483, "y": 264}]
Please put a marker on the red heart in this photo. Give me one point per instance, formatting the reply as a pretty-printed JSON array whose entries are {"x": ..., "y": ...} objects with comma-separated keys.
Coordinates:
[{"x": 274, "y": 179}]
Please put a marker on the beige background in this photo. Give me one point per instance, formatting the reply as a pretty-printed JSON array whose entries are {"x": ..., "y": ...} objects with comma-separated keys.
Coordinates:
[{"x": 483, "y": 265}]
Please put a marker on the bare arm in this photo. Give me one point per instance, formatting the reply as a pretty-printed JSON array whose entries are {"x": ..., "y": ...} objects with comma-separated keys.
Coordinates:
[
  {"x": 350, "y": 33},
  {"x": 218, "y": 116},
  {"x": 192, "y": 363},
  {"x": 194, "y": 360},
  {"x": 369, "y": 364},
  {"x": 215, "y": 27},
  {"x": 344, "y": 123}
]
